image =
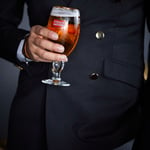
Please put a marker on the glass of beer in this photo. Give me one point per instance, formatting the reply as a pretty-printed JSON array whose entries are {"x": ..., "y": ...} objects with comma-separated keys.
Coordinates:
[{"x": 65, "y": 22}]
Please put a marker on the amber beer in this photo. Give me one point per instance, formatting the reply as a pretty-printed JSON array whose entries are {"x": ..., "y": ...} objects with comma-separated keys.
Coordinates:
[
  {"x": 66, "y": 22},
  {"x": 67, "y": 25}
]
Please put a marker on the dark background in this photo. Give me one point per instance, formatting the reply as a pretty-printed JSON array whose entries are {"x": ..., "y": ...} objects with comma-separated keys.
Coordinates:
[{"x": 9, "y": 78}]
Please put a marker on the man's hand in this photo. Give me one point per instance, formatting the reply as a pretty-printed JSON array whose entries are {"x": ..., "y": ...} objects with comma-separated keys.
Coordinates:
[{"x": 40, "y": 45}]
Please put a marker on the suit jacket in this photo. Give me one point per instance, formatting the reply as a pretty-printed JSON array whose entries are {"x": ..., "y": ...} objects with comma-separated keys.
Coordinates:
[
  {"x": 100, "y": 110},
  {"x": 142, "y": 138}
]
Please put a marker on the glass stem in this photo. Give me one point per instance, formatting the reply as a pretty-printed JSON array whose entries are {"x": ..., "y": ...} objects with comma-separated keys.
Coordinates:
[{"x": 57, "y": 67}]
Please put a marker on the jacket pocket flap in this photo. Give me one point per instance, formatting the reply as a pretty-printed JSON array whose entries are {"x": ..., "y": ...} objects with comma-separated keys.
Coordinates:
[{"x": 129, "y": 74}]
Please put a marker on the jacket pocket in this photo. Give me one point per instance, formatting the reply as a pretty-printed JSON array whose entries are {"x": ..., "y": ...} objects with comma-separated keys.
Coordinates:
[{"x": 123, "y": 72}]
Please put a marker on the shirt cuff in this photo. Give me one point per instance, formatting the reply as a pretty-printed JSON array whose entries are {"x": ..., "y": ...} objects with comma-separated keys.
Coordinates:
[{"x": 20, "y": 55}]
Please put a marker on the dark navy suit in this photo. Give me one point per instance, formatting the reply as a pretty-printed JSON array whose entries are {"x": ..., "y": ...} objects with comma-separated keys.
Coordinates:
[
  {"x": 100, "y": 110},
  {"x": 142, "y": 139}
]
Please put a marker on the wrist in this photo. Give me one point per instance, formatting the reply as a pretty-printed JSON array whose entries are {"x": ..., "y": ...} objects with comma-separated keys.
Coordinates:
[{"x": 24, "y": 50}]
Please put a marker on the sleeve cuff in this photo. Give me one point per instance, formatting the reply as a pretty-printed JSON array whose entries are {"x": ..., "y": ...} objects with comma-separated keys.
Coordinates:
[{"x": 20, "y": 55}]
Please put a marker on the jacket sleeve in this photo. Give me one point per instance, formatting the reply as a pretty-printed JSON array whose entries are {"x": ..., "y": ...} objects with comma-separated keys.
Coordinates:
[{"x": 11, "y": 12}]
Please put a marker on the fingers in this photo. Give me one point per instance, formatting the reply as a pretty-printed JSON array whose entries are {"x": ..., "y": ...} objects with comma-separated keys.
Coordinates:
[
  {"x": 48, "y": 45},
  {"x": 44, "y": 32},
  {"x": 47, "y": 56},
  {"x": 40, "y": 45}
]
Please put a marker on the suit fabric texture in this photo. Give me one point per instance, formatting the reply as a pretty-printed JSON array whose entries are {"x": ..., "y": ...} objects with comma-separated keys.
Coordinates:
[
  {"x": 93, "y": 113},
  {"x": 142, "y": 138}
]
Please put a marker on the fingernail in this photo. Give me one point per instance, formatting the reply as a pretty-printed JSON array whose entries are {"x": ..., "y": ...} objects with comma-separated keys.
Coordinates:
[
  {"x": 54, "y": 36},
  {"x": 60, "y": 49},
  {"x": 65, "y": 59}
]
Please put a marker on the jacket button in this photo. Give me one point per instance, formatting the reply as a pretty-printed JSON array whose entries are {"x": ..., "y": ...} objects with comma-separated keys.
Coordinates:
[
  {"x": 100, "y": 35},
  {"x": 94, "y": 76}
]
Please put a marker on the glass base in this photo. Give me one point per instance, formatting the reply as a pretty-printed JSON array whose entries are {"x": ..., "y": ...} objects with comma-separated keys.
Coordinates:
[{"x": 55, "y": 82}]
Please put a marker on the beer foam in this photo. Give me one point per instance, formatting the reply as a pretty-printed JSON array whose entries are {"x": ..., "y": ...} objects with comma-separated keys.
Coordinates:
[{"x": 64, "y": 12}]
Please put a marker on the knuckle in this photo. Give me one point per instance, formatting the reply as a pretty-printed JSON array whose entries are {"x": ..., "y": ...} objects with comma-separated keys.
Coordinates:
[
  {"x": 52, "y": 47},
  {"x": 33, "y": 28},
  {"x": 43, "y": 54},
  {"x": 37, "y": 41},
  {"x": 36, "y": 50},
  {"x": 58, "y": 57},
  {"x": 40, "y": 31},
  {"x": 49, "y": 33}
]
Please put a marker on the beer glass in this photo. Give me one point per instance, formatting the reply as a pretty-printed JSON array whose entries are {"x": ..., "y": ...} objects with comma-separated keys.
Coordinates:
[{"x": 65, "y": 22}]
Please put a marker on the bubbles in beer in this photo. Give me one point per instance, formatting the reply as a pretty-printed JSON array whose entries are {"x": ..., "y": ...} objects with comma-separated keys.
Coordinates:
[{"x": 66, "y": 22}]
